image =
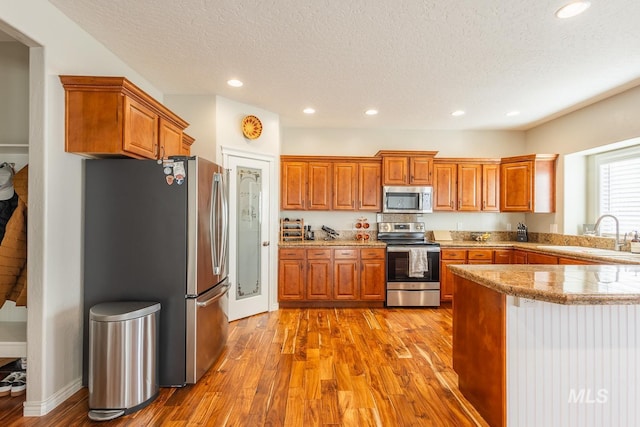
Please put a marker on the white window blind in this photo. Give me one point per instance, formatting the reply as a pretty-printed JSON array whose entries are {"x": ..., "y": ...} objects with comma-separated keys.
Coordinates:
[{"x": 618, "y": 192}]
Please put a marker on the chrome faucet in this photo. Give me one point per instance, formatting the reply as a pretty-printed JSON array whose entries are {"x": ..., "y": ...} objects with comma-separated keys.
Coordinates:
[{"x": 596, "y": 229}]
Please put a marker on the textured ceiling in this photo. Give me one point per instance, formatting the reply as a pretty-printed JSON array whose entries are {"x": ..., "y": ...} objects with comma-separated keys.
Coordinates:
[{"x": 416, "y": 61}]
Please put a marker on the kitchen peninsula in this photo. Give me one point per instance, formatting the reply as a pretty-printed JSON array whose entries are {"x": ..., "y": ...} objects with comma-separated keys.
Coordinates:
[{"x": 552, "y": 345}]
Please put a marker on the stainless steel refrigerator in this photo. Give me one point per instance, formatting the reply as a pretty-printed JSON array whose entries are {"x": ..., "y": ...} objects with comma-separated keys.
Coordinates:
[{"x": 158, "y": 231}]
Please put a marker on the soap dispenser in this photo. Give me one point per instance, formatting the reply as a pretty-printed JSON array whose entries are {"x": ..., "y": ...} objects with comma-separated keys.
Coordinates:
[{"x": 635, "y": 243}]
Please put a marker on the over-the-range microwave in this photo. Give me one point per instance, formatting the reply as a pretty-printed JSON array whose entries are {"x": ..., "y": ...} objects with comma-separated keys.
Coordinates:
[{"x": 407, "y": 199}]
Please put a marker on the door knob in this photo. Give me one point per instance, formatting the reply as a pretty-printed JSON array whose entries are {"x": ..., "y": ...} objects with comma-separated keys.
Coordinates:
[{"x": 265, "y": 243}]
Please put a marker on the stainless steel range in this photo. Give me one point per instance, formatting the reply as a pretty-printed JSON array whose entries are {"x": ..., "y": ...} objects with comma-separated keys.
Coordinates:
[{"x": 413, "y": 265}]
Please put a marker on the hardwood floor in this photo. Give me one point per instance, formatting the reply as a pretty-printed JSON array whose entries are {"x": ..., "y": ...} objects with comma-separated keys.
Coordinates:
[{"x": 308, "y": 367}]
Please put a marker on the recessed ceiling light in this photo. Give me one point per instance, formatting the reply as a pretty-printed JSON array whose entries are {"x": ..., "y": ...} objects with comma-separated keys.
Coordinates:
[
  {"x": 371, "y": 112},
  {"x": 234, "y": 83},
  {"x": 513, "y": 113},
  {"x": 458, "y": 113},
  {"x": 572, "y": 9},
  {"x": 308, "y": 110}
]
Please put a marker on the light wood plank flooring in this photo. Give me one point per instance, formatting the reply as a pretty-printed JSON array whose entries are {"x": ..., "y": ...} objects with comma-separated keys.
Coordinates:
[{"x": 308, "y": 367}]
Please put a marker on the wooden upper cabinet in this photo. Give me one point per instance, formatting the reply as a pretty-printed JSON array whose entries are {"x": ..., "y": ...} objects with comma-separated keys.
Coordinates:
[
  {"x": 420, "y": 170},
  {"x": 445, "y": 186},
  {"x": 469, "y": 187},
  {"x": 396, "y": 170},
  {"x": 111, "y": 117},
  {"x": 528, "y": 183},
  {"x": 330, "y": 183},
  {"x": 491, "y": 187},
  {"x": 293, "y": 185},
  {"x": 345, "y": 186},
  {"x": 319, "y": 189},
  {"x": 369, "y": 186},
  {"x": 140, "y": 129},
  {"x": 187, "y": 141},
  {"x": 407, "y": 167},
  {"x": 170, "y": 139}
]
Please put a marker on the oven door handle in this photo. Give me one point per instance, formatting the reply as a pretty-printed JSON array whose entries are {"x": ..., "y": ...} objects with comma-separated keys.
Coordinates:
[{"x": 406, "y": 248}]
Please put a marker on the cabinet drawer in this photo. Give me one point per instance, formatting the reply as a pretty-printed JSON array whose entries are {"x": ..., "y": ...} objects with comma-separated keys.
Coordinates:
[
  {"x": 372, "y": 253},
  {"x": 318, "y": 253},
  {"x": 291, "y": 253},
  {"x": 345, "y": 253},
  {"x": 480, "y": 254},
  {"x": 454, "y": 254}
]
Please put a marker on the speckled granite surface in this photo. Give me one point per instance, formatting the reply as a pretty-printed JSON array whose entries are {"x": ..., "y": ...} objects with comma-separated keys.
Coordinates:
[
  {"x": 561, "y": 284},
  {"x": 308, "y": 243}
]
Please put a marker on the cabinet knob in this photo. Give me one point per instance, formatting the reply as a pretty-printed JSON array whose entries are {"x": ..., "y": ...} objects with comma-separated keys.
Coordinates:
[{"x": 267, "y": 243}]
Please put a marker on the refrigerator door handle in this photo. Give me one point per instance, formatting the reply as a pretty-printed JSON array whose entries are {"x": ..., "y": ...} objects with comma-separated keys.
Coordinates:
[
  {"x": 212, "y": 224},
  {"x": 215, "y": 296},
  {"x": 224, "y": 244},
  {"x": 219, "y": 245}
]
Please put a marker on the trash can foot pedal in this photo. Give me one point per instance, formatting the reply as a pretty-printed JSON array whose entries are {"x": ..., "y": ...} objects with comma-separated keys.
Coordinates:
[{"x": 105, "y": 414}]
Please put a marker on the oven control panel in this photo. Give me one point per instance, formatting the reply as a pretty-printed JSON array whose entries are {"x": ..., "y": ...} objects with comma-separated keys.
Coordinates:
[{"x": 401, "y": 227}]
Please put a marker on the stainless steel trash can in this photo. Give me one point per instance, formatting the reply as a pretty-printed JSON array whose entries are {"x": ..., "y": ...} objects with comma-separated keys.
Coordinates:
[{"x": 123, "y": 349}]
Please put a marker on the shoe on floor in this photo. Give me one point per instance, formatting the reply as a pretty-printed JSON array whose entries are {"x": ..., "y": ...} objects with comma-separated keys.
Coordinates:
[
  {"x": 7, "y": 382},
  {"x": 19, "y": 385}
]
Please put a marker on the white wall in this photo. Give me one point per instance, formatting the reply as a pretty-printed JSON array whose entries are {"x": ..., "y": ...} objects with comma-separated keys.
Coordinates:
[
  {"x": 54, "y": 335},
  {"x": 366, "y": 142},
  {"x": 606, "y": 122}
]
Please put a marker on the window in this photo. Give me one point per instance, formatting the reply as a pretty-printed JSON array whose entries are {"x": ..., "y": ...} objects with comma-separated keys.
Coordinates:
[{"x": 616, "y": 178}]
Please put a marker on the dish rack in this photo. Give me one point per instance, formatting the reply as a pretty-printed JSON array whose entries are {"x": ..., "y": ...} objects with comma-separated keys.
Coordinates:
[{"x": 291, "y": 230}]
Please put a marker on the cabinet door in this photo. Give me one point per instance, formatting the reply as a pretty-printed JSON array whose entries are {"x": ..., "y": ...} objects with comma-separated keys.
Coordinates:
[
  {"x": 170, "y": 139},
  {"x": 571, "y": 261},
  {"x": 369, "y": 187},
  {"x": 535, "y": 258},
  {"x": 319, "y": 196},
  {"x": 291, "y": 280},
  {"x": 444, "y": 186},
  {"x": 140, "y": 129},
  {"x": 345, "y": 189},
  {"x": 293, "y": 185},
  {"x": 187, "y": 141},
  {"x": 420, "y": 170},
  {"x": 446, "y": 279},
  {"x": 469, "y": 187},
  {"x": 346, "y": 278},
  {"x": 319, "y": 279},
  {"x": 372, "y": 274},
  {"x": 519, "y": 257},
  {"x": 491, "y": 188},
  {"x": 395, "y": 170},
  {"x": 502, "y": 256},
  {"x": 516, "y": 186}
]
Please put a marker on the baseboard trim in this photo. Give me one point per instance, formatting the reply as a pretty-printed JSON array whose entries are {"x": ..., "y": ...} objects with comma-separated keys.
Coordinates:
[{"x": 40, "y": 408}]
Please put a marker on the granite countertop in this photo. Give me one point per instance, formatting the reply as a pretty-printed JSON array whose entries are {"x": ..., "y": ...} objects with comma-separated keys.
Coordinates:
[
  {"x": 337, "y": 242},
  {"x": 604, "y": 256},
  {"x": 560, "y": 284}
]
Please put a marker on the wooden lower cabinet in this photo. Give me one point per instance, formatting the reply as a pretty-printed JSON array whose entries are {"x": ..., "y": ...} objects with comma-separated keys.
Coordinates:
[
  {"x": 346, "y": 274},
  {"x": 309, "y": 275},
  {"x": 319, "y": 274},
  {"x": 449, "y": 257},
  {"x": 536, "y": 258},
  {"x": 572, "y": 261},
  {"x": 502, "y": 256},
  {"x": 519, "y": 257},
  {"x": 373, "y": 268},
  {"x": 291, "y": 275}
]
